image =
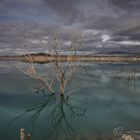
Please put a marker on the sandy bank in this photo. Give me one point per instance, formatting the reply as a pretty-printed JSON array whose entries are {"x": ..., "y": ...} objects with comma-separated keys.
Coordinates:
[{"x": 37, "y": 58}]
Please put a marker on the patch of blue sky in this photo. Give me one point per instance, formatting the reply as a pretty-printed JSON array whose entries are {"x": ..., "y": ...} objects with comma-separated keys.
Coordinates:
[
  {"x": 35, "y": 11},
  {"x": 8, "y": 18}
]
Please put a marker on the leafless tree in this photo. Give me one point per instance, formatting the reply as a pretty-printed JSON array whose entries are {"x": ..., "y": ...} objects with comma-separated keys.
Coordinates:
[{"x": 61, "y": 70}]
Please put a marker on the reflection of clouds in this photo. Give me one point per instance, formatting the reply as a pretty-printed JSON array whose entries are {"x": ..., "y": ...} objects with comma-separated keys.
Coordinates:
[
  {"x": 105, "y": 75},
  {"x": 103, "y": 101},
  {"x": 105, "y": 79}
]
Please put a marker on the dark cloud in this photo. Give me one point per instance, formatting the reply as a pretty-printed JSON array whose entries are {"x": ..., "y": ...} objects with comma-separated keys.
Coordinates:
[
  {"x": 101, "y": 23},
  {"x": 117, "y": 19},
  {"x": 98, "y": 13},
  {"x": 126, "y": 4},
  {"x": 65, "y": 8}
]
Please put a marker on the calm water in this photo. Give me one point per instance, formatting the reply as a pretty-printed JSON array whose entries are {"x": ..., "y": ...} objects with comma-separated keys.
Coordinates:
[{"x": 106, "y": 96}]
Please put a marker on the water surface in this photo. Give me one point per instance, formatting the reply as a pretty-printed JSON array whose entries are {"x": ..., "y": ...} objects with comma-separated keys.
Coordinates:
[{"x": 106, "y": 97}]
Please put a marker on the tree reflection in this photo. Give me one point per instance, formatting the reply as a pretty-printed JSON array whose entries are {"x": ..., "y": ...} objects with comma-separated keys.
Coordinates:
[{"x": 61, "y": 116}]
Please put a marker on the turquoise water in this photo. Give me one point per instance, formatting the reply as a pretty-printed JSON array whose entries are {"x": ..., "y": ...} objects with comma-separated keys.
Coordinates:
[{"x": 106, "y": 96}]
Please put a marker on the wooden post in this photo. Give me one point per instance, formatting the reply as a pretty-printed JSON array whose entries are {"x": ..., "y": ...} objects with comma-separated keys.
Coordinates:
[
  {"x": 28, "y": 136},
  {"x": 22, "y": 134}
]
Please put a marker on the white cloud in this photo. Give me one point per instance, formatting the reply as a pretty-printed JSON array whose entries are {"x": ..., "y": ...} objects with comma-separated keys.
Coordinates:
[
  {"x": 105, "y": 38},
  {"x": 44, "y": 41},
  {"x": 129, "y": 42},
  {"x": 46, "y": 37},
  {"x": 34, "y": 41},
  {"x": 68, "y": 43},
  {"x": 125, "y": 42},
  {"x": 99, "y": 46}
]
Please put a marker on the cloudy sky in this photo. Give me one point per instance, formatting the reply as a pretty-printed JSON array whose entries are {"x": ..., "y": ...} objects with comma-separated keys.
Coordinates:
[{"x": 105, "y": 25}]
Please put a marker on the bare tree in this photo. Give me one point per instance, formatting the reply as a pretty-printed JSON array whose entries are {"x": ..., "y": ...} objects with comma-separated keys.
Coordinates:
[
  {"x": 62, "y": 67},
  {"x": 58, "y": 75}
]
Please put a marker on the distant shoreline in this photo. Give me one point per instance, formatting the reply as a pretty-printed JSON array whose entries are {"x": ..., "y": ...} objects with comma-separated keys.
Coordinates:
[{"x": 42, "y": 58}]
